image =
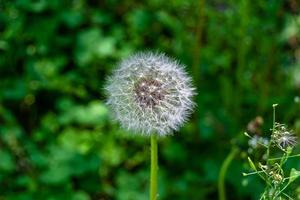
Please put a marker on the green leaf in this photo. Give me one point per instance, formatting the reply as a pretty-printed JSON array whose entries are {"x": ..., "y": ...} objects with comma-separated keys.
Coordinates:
[
  {"x": 251, "y": 164},
  {"x": 293, "y": 175}
]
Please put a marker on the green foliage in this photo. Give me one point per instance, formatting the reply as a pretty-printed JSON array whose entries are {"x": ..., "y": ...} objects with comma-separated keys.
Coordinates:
[
  {"x": 271, "y": 170},
  {"x": 57, "y": 141}
]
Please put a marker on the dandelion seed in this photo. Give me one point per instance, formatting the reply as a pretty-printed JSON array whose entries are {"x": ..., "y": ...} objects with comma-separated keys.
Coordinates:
[
  {"x": 150, "y": 93},
  {"x": 283, "y": 137},
  {"x": 287, "y": 140}
]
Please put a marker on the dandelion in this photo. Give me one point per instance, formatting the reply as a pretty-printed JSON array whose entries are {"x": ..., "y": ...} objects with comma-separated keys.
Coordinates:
[
  {"x": 150, "y": 94},
  {"x": 282, "y": 137},
  {"x": 287, "y": 140}
]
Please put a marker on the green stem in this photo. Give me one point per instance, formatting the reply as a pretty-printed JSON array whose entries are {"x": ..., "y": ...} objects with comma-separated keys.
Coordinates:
[
  {"x": 154, "y": 168},
  {"x": 274, "y": 117},
  {"x": 279, "y": 158},
  {"x": 223, "y": 171},
  {"x": 273, "y": 129}
]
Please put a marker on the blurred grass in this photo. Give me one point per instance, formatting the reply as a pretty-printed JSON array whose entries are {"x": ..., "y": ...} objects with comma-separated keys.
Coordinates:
[{"x": 56, "y": 138}]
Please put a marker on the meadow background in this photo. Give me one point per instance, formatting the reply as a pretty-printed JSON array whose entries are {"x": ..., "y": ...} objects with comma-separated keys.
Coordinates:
[{"x": 57, "y": 141}]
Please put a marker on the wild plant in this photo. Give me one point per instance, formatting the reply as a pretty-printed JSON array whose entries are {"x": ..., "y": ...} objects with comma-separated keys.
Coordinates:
[
  {"x": 150, "y": 94},
  {"x": 270, "y": 168}
]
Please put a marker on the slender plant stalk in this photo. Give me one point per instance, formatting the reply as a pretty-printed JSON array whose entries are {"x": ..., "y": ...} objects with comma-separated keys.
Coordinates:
[
  {"x": 223, "y": 172},
  {"x": 279, "y": 158},
  {"x": 274, "y": 120},
  {"x": 270, "y": 143},
  {"x": 154, "y": 168}
]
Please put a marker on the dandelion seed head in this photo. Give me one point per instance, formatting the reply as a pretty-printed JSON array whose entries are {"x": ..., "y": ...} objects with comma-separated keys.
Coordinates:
[
  {"x": 287, "y": 140},
  {"x": 283, "y": 137},
  {"x": 150, "y": 93}
]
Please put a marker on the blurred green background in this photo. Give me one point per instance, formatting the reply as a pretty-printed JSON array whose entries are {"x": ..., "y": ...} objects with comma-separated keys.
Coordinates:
[{"x": 57, "y": 141}]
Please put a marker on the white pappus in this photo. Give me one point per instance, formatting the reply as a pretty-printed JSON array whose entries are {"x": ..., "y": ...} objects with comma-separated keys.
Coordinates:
[{"x": 150, "y": 93}]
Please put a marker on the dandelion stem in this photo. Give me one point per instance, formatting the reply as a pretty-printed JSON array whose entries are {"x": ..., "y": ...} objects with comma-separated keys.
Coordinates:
[
  {"x": 154, "y": 168},
  {"x": 223, "y": 171}
]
